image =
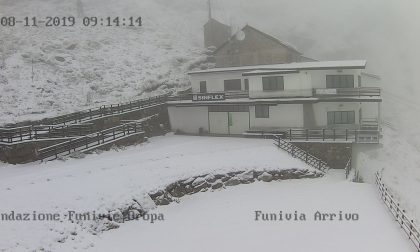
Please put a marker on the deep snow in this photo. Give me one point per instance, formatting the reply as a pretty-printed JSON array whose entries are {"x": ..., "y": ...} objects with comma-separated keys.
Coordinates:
[
  {"x": 225, "y": 221},
  {"x": 113, "y": 179}
]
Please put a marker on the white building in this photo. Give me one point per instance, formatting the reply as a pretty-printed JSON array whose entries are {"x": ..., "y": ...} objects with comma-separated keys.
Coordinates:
[{"x": 297, "y": 99}]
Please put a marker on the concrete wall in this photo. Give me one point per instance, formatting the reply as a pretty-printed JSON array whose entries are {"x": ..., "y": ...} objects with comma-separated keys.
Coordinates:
[
  {"x": 335, "y": 154},
  {"x": 321, "y": 109},
  {"x": 215, "y": 81},
  {"x": 295, "y": 85},
  {"x": 189, "y": 120},
  {"x": 281, "y": 116},
  {"x": 319, "y": 79}
]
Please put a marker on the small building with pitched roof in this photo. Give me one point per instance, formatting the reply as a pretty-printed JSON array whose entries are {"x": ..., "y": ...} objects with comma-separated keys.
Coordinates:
[{"x": 250, "y": 47}]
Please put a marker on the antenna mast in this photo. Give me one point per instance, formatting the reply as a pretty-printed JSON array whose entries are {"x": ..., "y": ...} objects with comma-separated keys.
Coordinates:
[{"x": 209, "y": 4}]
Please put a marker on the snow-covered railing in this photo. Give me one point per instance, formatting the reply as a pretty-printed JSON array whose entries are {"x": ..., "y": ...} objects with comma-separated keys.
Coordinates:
[
  {"x": 90, "y": 141},
  {"x": 109, "y": 110},
  {"x": 348, "y": 168},
  {"x": 405, "y": 222},
  {"x": 301, "y": 154},
  {"x": 348, "y": 135},
  {"x": 359, "y": 91},
  {"x": 28, "y": 133},
  {"x": 76, "y": 124}
]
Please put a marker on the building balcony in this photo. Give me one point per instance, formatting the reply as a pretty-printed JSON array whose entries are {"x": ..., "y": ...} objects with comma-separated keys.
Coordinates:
[
  {"x": 340, "y": 92},
  {"x": 291, "y": 93}
]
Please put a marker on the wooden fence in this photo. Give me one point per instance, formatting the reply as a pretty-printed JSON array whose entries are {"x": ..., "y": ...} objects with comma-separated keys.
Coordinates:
[
  {"x": 91, "y": 141},
  {"x": 297, "y": 152},
  {"x": 348, "y": 168},
  {"x": 405, "y": 222},
  {"x": 75, "y": 124}
]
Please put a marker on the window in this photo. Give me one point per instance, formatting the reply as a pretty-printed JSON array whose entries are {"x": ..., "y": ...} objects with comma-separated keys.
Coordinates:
[
  {"x": 246, "y": 84},
  {"x": 233, "y": 85},
  {"x": 273, "y": 83},
  {"x": 203, "y": 87},
  {"x": 229, "y": 108},
  {"x": 341, "y": 117},
  {"x": 340, "y": 81},
  {"x": 262, "y": 111}
]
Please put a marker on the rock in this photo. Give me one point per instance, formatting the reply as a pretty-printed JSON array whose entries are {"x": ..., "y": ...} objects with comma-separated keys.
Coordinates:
[
  {"x": 218, "y": 184},
  {"x": 156, "y": 194},
  {"x": 71, "y": 47},
  {"x": 60, "y": 59},
  {"x": 200, "y": 187},
  {"x": 233, "y": 182},
  {"x": 210, "y": 178},
  {"x": 246, "y": 177},
  {"x": 117, "y": 216},
  {"x": 266, "y": 177}
]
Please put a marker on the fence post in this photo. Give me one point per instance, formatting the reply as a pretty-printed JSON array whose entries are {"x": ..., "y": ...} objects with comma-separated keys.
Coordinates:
[
  {"x": 347, "y": 134},
  {"x": 278, "y": 140},
  {"x": 293, "y": 151},
  {"x": 20, "y": 133},
  {"x": 323, "y": 134},
  {"x": 319, "y": 164},
  {"x": 290, "y": 134}
]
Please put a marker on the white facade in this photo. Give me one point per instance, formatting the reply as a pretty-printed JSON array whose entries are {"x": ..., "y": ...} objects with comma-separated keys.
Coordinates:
[{"x": 301, "y": 100}]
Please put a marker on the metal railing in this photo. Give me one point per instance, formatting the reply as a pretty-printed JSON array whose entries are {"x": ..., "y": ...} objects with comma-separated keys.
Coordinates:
[
  {"x": 76, "y": 124},
  {"x": 348, "y": 167},
  {"x": 405, "y": 222},
  {"x": 359, "y": 91},
  {"x": 90, "y": 141},
  {"x": 297, "y": 152},
  {"x": 357, "y": 136}
]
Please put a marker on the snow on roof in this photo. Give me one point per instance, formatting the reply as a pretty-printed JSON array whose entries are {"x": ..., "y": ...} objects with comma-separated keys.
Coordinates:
[{"x": 318, "y": 65}]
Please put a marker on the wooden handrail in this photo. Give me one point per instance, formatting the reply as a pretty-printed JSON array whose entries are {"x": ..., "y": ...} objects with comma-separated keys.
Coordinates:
[
  {"x": 400, "y": 215},
  {"x": 303, "y": 155}
]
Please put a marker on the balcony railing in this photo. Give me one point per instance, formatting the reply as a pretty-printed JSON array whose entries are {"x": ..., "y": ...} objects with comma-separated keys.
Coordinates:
[
  {"x": 360, "y": 91},
  {"x": 291, "y": 93}
]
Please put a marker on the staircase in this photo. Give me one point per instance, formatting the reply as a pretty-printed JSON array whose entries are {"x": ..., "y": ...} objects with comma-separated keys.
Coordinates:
[{"x": 297, "y": 152}]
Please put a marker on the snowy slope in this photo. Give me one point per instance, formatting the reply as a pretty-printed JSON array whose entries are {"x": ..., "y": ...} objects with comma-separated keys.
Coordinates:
[
  {"x": 225, "y": 221},
  {"x": 78, "y": 67},
  {"x": 111, "y": 180}
]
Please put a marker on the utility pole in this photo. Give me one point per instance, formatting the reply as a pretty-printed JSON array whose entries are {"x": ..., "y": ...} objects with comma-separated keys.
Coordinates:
[{"x": 209, "y": 6}]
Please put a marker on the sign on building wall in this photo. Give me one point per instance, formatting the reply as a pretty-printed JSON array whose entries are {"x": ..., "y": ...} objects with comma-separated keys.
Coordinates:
[{"x": 208, "y": 97}]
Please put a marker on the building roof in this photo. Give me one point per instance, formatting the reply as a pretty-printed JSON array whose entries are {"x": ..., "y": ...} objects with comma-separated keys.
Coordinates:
[
  {"x": 216, "y": 22},
  {"x": 282, "y": 43},
  {"x": 316, "y": 65}
]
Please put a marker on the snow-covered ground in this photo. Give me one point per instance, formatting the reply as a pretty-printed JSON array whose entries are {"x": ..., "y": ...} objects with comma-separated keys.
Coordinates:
[
  {"x": 117, "y": 64},
  {"x": 225, "y": 221},
  {"x": 113, "y": 179},
  {"x": 79, "y": 67}
]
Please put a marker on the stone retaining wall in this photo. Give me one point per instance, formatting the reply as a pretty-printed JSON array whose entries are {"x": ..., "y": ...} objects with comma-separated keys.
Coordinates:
[
  {"x": 203, "y": 183},
  {"x": 335, "y": 154}
]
